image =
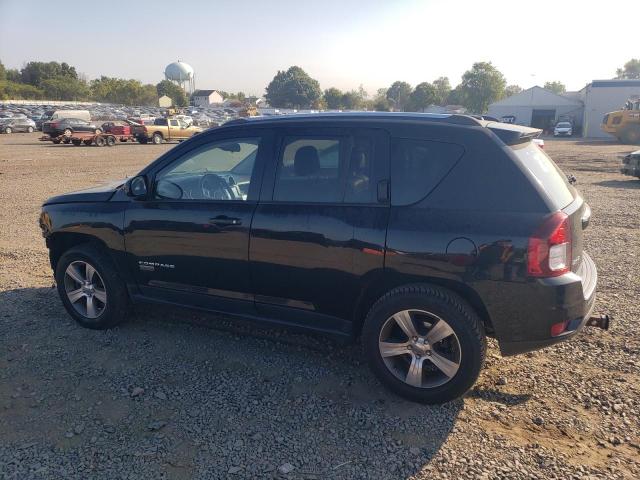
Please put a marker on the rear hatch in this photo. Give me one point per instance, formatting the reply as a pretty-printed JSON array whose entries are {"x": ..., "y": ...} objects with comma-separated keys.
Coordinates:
[
  {"x": 549, "y": 179},
  {"x": 559, "y": 193}
]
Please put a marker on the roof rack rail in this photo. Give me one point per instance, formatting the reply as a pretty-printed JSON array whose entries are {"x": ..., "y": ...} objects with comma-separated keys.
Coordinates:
[{"x": 236, "y": 121}]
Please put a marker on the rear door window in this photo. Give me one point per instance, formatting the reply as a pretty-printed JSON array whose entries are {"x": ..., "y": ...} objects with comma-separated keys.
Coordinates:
[
  {"x": 417, "y": 166},
  {"x": 546, "y": 173}
]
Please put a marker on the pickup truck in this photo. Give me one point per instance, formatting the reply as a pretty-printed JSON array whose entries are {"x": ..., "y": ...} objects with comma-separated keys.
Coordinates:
[{"x": 164, "y": 129}]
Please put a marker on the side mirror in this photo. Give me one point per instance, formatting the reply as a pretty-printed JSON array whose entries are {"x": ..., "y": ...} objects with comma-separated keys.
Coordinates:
[{"x": 137, "y": 187}]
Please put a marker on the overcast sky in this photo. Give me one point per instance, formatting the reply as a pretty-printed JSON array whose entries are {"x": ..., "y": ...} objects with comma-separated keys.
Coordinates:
[{"x": 240, "y": 44}]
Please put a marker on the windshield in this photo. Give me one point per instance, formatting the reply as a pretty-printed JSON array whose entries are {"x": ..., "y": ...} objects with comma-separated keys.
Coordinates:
[
  {"x": 564, "y": 125},
  {"x": 546, "y": 173}
]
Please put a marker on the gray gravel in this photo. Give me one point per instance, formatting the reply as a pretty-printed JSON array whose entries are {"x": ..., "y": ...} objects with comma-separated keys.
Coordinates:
[{"x": 174, "y": 394}]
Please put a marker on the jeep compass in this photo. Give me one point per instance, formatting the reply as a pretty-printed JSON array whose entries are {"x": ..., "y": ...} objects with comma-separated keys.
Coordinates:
[{"x": 421, "y": 235}]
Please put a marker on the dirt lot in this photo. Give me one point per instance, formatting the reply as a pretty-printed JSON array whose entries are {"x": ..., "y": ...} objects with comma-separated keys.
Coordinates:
[{"x": 173, "y": 394}]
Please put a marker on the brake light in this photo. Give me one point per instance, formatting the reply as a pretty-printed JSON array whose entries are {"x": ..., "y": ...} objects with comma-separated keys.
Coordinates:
[{"x": 549, "y": 251}]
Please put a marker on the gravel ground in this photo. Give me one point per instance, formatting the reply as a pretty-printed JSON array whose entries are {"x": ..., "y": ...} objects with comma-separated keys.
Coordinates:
[{"x": 172, "y": 394}]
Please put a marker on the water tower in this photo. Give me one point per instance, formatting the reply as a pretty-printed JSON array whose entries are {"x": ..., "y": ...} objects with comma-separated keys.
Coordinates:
[{"x": 182, "y": 74}]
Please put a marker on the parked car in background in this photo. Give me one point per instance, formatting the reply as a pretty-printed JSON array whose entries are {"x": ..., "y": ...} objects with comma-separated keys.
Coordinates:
[
  {"x": 67, "y": 126},
  {"x": 81, "y": 114},
  {"x": 17, "y": 124},
  {"x": 631, "y": 164},
  {"x": 164, "y": 130},
  {"x": 420, "y": 234},
  {"x": 563, "y": 129},
  {"x": 121, "y": 127}
]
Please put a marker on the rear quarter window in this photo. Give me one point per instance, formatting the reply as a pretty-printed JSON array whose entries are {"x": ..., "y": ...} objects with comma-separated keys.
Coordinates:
[
  {"x": 546, "y": 174},
  {"x": 417, "y": 166}
]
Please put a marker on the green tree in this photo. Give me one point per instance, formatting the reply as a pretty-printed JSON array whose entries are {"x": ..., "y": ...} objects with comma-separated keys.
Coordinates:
[
  {"x": 480, "y": 86},
  {"x": 398, "y": 95},
  {"x": 120, "y": 90},
  {"x": 456, "y": 96},
  {"x": 352, "y": 100},
  {"x": 3, "y": 72},
  {"x": 631, "y": 69},
  {"x": 512, "y": 90},
  {"x": 443, "y": 87},
  {"x": 65, "y": 88},
  {"x": 333, "y": 98},
  {"x": 34, "y": 73},
  {"x": 555, "y": 87},
  {"x": 13, "y": 75},
  {"x": 422, "y": 97},
  {"x": 19, "y": 91},
  {"x": 293, "y": 88},
  {"x": 175, "y": 92},
  {"x": 379, "y": 103}
]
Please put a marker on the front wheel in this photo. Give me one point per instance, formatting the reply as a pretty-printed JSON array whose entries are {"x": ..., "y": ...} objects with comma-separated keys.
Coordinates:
[
  {"x": 425, "y": 343},
  {"x": 156, "y": 139},
  {"x": 8, "y": 130},
  {"x": 90, "y": 288},
  {"x": 30, "y": 129}
]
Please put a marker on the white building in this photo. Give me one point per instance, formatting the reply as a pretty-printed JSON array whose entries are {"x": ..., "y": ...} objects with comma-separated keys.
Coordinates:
[
  {"x": 204, "y": 98},
  {"x": 603, "y": 96},
  {"x": 164, "y": 101},
  {"x": 539, "y": 108}
]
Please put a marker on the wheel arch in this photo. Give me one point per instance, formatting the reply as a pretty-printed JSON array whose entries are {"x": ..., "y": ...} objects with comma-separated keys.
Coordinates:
[
  {"x": 375, "y": 290},
  {"x": 59, "y": 242}
]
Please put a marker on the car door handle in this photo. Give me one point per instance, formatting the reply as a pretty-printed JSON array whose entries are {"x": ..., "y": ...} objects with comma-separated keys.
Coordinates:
[{"x": 223, "y": 220}]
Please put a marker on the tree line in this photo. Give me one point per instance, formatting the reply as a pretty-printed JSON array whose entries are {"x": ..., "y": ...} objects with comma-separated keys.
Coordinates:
[
  {"x": 60, "y": 81},
  {"x": 481, "y": 85}
]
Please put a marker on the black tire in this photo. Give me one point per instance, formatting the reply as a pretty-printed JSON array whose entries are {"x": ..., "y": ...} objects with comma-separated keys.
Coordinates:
[
  {"x": 631, "y": 135},
  {"x": 29, "y": 129},
  {"x": 100, "y": 142},
  {"x": 66, "y": 140},
  {"x": 156, "y": 139},
  {"x": 117, "y": 304},
  {"x": 76, "y": 142},
  {"x": 56, "y": 141},
  {"x": 111, "y": 141},
  {"x": 470, "y": 339},
  {"x": 8, "y": 130},
  {"x": 143, "y": 140},
  {"x": 87, "y": 142}
]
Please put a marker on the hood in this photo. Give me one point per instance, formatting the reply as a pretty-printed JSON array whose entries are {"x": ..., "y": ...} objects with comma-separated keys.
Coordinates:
[{"x": 101, "y": 193}]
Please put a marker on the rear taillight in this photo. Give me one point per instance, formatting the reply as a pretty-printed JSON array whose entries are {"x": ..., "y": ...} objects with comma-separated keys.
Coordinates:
[{"x": 549, "y": 252}]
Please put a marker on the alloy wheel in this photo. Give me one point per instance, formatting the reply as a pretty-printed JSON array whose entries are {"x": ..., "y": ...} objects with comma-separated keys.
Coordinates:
[
  {"x": 420, "y": 348},
  {"x": 85, "y": 289}
]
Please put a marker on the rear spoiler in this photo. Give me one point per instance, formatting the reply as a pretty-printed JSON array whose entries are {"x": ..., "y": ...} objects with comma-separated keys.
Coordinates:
[{"x": 512, "y": 134}]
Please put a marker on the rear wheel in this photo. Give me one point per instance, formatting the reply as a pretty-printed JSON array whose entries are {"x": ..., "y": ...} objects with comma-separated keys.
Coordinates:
[
  {"x": 111, "y": 141},
  {"x": 90, "y": 288},
  {"x": 8, "y": 130},
  {"x": 30, "y": 129},
  {"x": 100, "y": 142},
  {"x": 76, "y": 142},
  {"x": 425, "y": 343},
  {"x": 156, "y": 139}
]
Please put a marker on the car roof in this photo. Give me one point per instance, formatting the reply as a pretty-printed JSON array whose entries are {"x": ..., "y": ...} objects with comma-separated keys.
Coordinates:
[{"x": 509, "y": 133}]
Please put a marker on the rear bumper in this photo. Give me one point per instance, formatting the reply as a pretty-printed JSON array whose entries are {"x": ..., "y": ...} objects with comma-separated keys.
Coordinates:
[{"x": 569, "y": 298}]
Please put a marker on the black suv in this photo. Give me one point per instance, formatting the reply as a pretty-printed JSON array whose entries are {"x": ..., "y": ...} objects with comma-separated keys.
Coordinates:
[{"x": 421, "y": 234}]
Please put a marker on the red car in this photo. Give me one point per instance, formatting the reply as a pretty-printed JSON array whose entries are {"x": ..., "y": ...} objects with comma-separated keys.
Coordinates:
[{"x": 117, "y": 128}]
